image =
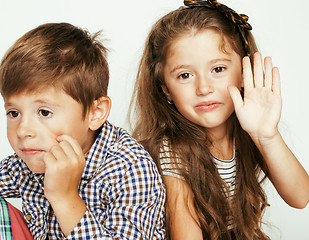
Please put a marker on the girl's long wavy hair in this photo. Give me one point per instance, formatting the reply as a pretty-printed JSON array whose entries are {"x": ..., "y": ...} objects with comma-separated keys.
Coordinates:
[{"x": 157, "y": 120}]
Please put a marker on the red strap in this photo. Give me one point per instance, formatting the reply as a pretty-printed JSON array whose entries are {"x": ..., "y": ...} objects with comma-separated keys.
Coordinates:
[{"x": 19, "y": 226}]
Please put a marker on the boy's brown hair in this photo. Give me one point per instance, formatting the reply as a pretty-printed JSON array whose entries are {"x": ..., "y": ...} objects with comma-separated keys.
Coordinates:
[{"x": 56, "y": 55}]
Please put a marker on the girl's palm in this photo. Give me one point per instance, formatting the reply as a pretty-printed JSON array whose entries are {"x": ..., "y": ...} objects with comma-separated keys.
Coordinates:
[{"x": 259, "y": 112}]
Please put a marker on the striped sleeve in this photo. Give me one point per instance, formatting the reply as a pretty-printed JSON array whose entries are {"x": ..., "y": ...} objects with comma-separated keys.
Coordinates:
[{"x": 170, "y": 163}]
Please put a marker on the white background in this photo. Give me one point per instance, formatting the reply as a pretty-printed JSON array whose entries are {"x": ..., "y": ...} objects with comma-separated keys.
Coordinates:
[{"x": 281, "y": 31}]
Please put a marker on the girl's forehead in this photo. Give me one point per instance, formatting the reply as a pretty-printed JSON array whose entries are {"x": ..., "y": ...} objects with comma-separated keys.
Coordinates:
[{"x": 202, "y": 39}]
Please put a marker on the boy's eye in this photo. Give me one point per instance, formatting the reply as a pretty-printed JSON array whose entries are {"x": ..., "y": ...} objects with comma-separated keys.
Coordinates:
[
  {"x": 45, "y": 113},
  {"x": 218, "y": 69},
  {"x": 184, "y": 75},
  {"x": 13, "y": 114}
]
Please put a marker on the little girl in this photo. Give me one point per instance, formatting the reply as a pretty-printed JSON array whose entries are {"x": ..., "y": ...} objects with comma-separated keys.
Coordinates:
[{"x": 208, "y": 114}]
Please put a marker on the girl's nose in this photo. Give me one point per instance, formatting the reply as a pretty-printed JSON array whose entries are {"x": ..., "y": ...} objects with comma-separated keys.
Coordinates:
[
  {"x": 26, "y": 128},
  {"x": 204, "y": 87}
]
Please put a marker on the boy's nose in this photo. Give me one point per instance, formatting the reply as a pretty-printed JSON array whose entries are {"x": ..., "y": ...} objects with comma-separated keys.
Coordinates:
[
  {"x": 204, "y": 87},
  {"x": 26, "y": 129}
]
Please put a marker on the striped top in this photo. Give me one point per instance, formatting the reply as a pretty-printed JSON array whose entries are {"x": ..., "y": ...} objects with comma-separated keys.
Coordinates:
[{"x": 227, "y": 169}]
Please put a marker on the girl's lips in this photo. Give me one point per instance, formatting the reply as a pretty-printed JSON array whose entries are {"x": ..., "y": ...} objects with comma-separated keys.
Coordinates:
[{"x": 207, "y": 106}]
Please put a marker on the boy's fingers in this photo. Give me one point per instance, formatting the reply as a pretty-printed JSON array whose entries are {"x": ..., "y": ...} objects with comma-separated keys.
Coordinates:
[
  {"x": 49, "y": 158},
  {"x": 69, "y": 144},
  {"x": 56, "y": 153},
  {"x": 68, "y": 149}
]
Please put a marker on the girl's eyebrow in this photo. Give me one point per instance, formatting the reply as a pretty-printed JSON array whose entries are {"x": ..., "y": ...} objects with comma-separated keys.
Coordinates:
[
  {"x": 220, "y": 60},
  {"x": 179, "y": 67},
  {"x": 213, "y": 61}
]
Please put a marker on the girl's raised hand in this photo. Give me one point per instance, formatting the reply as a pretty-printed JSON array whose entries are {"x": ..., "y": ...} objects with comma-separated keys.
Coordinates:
[{"x": 260, "y": 109}]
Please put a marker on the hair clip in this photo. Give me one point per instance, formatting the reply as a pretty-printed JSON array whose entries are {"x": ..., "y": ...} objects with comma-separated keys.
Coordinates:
[{"x": 240, "y": 20}]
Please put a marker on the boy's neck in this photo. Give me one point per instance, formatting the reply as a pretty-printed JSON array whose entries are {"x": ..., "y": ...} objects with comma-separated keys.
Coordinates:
[{"x": 92, "y": 138}]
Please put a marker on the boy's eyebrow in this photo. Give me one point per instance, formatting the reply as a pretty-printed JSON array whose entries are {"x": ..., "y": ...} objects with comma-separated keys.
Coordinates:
[
  {"x": 48, "y": 102},
  {"x": 7, "y": 105},
  {"x": 41, "y": 101}
]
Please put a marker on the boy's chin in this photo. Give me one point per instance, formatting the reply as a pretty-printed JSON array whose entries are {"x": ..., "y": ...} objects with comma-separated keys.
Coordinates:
[{"x": 38, "y": 168}]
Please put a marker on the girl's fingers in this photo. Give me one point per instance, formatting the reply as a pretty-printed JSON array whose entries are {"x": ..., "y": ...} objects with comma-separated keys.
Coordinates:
[
  {"x": 276, "y": 84},
  {"x": 268, "y": 72},
  {"x": 247, "y": 74},
  {"x": 236, "y": 97},
  {"x": 258, "y": 70}
]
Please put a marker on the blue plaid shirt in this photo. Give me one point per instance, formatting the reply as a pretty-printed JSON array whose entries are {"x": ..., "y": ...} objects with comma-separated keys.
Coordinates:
[{"x": 120, "y": 185}]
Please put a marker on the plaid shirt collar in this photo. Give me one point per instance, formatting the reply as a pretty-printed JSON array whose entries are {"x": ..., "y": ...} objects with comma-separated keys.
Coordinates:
[{"x": 97, "y": 152}]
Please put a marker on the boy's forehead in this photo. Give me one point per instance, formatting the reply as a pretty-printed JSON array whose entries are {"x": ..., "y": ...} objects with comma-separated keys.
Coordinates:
[{"x": 50, "y": 95}]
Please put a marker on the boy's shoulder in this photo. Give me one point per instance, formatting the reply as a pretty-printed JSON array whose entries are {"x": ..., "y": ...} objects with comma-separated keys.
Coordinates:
[
  {"x": 13, "y": 161},
  {"x": 116, "y": 156},
  {"x": 125, "y": 146},
  {"x": 116, "y": 143},
  {"x": 14, "y": 166}
]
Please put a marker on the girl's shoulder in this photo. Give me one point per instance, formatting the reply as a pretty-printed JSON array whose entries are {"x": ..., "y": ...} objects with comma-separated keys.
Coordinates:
[{"x": 169, "y": 161}]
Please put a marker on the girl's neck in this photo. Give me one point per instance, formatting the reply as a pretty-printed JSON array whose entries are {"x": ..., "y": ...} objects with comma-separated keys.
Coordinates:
[{"x": 222, "y": 146}]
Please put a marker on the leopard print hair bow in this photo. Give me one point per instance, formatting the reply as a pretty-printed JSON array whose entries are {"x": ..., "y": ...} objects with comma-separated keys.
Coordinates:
[{"x": 240, "y": 20}]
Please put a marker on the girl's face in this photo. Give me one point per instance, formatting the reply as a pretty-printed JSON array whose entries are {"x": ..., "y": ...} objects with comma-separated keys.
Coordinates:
[{"x": 197, "y": 74}]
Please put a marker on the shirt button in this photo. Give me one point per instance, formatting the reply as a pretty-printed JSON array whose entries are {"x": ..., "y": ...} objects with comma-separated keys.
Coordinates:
[
  {"x": 28, "y": 217},
  {"x": 114, "y": 147}
]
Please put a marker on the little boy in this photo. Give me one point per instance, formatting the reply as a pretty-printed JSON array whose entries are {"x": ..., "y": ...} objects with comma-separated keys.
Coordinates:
[{"x": 79, "y": 176}]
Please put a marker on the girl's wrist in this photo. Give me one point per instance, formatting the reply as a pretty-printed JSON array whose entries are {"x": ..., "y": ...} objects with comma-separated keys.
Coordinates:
[{"x": 271, "y": 139}]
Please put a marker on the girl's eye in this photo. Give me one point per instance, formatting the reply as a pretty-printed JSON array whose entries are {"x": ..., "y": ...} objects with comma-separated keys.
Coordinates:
[
  {"x": 45, "y": 113},
  {"x": 184, "y": 75},
  {"x": 13, "y": 114},
  {"x": 218, "y": 69}
]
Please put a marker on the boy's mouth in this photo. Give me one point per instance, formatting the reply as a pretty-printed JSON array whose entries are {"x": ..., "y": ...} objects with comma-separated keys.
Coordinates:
[{"x": 31, "y": 151}]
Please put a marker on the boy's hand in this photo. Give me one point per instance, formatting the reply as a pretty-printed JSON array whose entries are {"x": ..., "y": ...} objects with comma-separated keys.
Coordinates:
[
  {"x": 259, "y": 112},
  {"x": 64, "y": 164}
]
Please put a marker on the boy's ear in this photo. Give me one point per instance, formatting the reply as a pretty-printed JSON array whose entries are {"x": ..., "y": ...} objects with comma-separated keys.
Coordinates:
[
  {"x": 166, "y": 92},
  {"x": 99, "y": 112}
]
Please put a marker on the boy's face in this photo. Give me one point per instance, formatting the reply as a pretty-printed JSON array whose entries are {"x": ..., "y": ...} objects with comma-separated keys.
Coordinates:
[{"x": 35, "y": 120}]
